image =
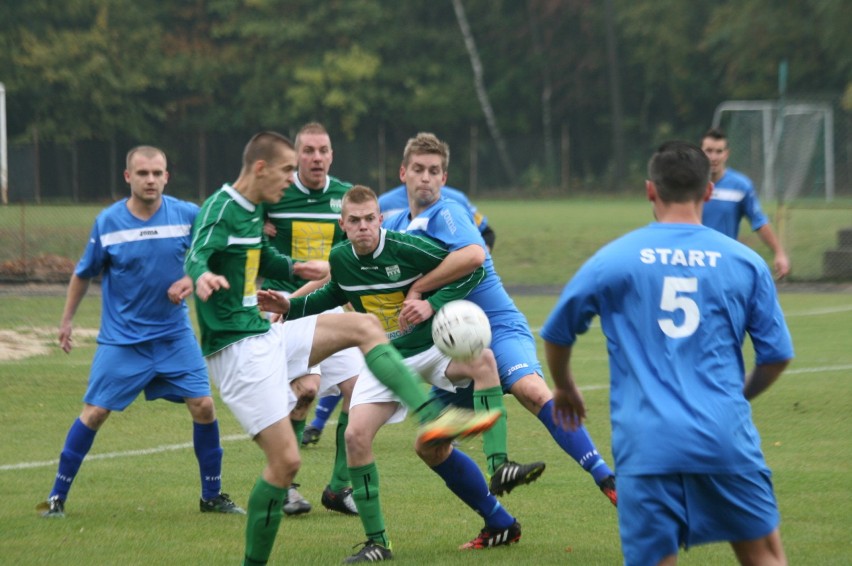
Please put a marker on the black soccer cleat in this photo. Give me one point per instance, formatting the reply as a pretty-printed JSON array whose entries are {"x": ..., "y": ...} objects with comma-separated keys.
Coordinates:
[
  {"x": 221, "y": 504},
  {"x": 608, "y": 488},
  {"x": 489, "y": 538},
  {"x": 311, "y": 435},
  {"x": 511, "y": 474},
  {"x": 371, "y": 552},
  {"x": 53, "y": 508},
  {"x": 340, "y": 501}
]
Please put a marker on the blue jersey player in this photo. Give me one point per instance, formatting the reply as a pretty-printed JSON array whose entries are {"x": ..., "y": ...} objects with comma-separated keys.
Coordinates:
[
  {"x": 146, "y": 342},
  {"x": 395, "y": 201},
  {"x": 424, "y": 172},
  {"x": 675, "y": 301},
  {"x": 734, "y": 198}
]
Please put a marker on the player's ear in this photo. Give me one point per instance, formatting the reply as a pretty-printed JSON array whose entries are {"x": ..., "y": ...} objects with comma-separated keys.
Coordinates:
[
  {"x": 402, "y": 173},
  {"x": 708, "y": 192},
  {"x": 650, "y": 191}
]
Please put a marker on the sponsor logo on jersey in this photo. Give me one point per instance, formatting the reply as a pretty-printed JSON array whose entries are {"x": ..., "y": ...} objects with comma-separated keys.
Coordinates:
[
  {"x": 336, "y": 204},
  {"x": 143, "y": 233},
  {"x": 369, "y": 267},
  {"x": 393, "y": 272}
]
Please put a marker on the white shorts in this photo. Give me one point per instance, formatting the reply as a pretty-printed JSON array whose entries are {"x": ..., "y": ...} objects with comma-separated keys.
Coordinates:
[
  {"x": 432, "y": 367},
  {"x": 251, "y": 376},
  {"x": 333, "y": 370}
]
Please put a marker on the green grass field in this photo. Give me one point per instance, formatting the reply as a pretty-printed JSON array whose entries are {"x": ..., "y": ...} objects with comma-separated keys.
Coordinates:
[{"x": 135, "y": 499}]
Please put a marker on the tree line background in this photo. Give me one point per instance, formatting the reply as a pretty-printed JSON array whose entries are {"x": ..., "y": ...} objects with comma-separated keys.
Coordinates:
[{"x": 539, "y": 94}]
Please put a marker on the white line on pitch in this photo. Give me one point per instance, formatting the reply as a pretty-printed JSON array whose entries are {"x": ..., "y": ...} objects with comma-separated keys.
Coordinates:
[{"x": 234, "y": 437}]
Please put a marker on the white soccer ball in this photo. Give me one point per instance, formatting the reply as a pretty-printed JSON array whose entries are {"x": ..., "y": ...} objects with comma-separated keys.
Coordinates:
[{"x": 461, "y": 330}]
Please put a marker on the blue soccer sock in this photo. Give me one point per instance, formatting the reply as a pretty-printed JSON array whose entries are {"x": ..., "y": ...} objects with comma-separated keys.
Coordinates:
[
  {"x": 208, "y": 452},
  {"x": 578, "y": 444},
  {"x": 325, "y": 406},
  {"x": 463, "y": 477},
  {"x": 77, "y": 445}
]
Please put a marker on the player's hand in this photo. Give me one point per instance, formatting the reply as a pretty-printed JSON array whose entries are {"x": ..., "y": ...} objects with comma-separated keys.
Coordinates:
[
  {"x": 312, "y": 270},
  {"x": 569, "y": 409},
  {"x": 274, "y": 302},
  {"x": 269, "y": 229},
  {"x": 782, "y": 266},
  {"x": 208, "y": 283},
  {"x": 414, "y": 311},
  {"x": 65, "y": 341},
  {"x": 180, "y": 289}
]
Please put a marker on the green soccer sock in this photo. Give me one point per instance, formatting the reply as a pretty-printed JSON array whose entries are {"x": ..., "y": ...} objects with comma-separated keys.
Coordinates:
[
  {"x": 298, "y": 428},
  {"x": 263, "y": 518},
  {"x": 365, "y": 492},
  {"x": 494, "y": 440},
  {"x": 340, "y": 473},
  {"x": 387, "y": 365}
]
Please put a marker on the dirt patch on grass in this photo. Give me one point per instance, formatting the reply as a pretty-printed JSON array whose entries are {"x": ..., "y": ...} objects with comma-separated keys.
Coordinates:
[{"x": 23, "y": 343}]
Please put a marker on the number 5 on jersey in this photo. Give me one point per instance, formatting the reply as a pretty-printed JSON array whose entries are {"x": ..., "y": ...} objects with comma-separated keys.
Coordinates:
[{"x": 672, "y": 302}]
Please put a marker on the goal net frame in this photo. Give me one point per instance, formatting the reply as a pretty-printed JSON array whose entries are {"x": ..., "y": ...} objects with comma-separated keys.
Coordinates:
[{"x": 774, "y": 119}]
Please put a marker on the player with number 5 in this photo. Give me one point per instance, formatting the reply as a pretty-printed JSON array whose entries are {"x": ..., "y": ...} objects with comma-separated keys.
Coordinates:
[{"x": 676, "y": 300}]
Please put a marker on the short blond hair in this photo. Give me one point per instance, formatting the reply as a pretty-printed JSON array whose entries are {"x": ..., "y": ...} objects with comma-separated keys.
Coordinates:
[
  {"x": 426, "y": 143},
  {"x": 148, "y": 151}
]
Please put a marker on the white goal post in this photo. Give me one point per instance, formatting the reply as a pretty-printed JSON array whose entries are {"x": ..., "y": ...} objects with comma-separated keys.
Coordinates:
[{"x": 778, "y": 143}]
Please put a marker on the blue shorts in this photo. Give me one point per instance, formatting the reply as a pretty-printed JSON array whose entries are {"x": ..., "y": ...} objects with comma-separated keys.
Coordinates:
[
  {"x": 659, "y": 514},
  {"x": 514, "y": 348},
  {"x": 166, "y": 368}
]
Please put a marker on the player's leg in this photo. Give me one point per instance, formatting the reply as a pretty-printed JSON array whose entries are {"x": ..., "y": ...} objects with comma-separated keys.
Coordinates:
[
  {"x": 266, "y": 501},
  {"x": 182, "y": 373},
  {"x": 251, "y": 376},
  {"x": 118, "y": 374},
  {"x": 765, "y": 551},
  {"x": 325, "y": 407},
  {"x": 335, "y": 332},
  {"x": 365, "y": 419},
  {"x": 532, "y": 392},
  {"x": 305, "y": 387},
  {"x": 487, "y": 396},
  {"x": 462, "y": 476},
  {"x": 337, "y": 495}
]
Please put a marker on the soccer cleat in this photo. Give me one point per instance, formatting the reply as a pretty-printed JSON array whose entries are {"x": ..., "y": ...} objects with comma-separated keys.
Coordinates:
[
  {"x": 221, "y": 504},
  {"x": 53, "y": 508},
  {"x": 489, "y": 538},
  {"x": 454, "y": 422},
  {"x": 296, "y": 504},
  {"x": 372, "y": 552},
  {"x": 511, "y": 474},
  {"x": 340, "y": 501},
  {"x": 311, "y": 435},
  {"x": 608, "y": 488}
]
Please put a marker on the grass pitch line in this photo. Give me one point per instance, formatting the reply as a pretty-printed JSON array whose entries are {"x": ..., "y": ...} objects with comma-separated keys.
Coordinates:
[
  {"x": 235, "y": 437},
  {"x": 110, "y": 455}
]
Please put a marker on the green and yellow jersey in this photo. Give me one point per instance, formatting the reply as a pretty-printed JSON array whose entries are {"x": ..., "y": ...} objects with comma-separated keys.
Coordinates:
[
  {"x": 377, "y": 283},
  {"x": 228, "y": 240}
]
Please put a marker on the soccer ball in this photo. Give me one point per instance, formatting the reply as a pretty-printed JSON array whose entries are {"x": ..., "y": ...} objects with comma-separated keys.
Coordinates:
[{"x": 461, "y": 330}]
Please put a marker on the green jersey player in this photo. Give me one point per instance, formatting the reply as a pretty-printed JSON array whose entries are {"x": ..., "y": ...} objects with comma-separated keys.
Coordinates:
[
  {"x": 303, "y": 225},
  {"x": 373, "y": 271},
  {"x": 249, "y": 359}
]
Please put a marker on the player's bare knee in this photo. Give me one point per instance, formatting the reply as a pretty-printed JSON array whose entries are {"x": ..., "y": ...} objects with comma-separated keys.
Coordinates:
[
  {"x": 202, "y": 409},
  {"x": 433, "y": 454},
  {"x": 94, "y": 417},
  {"x": 532, "y": 392},
  {"x": 359, "y": 443},
  {"x": 484, "y": 369}
]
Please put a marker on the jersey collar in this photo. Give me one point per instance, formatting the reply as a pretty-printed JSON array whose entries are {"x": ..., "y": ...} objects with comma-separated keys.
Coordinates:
[{"x": 306, "y": 190}]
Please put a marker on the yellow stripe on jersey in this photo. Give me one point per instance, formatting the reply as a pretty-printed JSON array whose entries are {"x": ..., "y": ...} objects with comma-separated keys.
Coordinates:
[
  {"x": 250, "y": 289},
  {"x": 386, "y": 307}
]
